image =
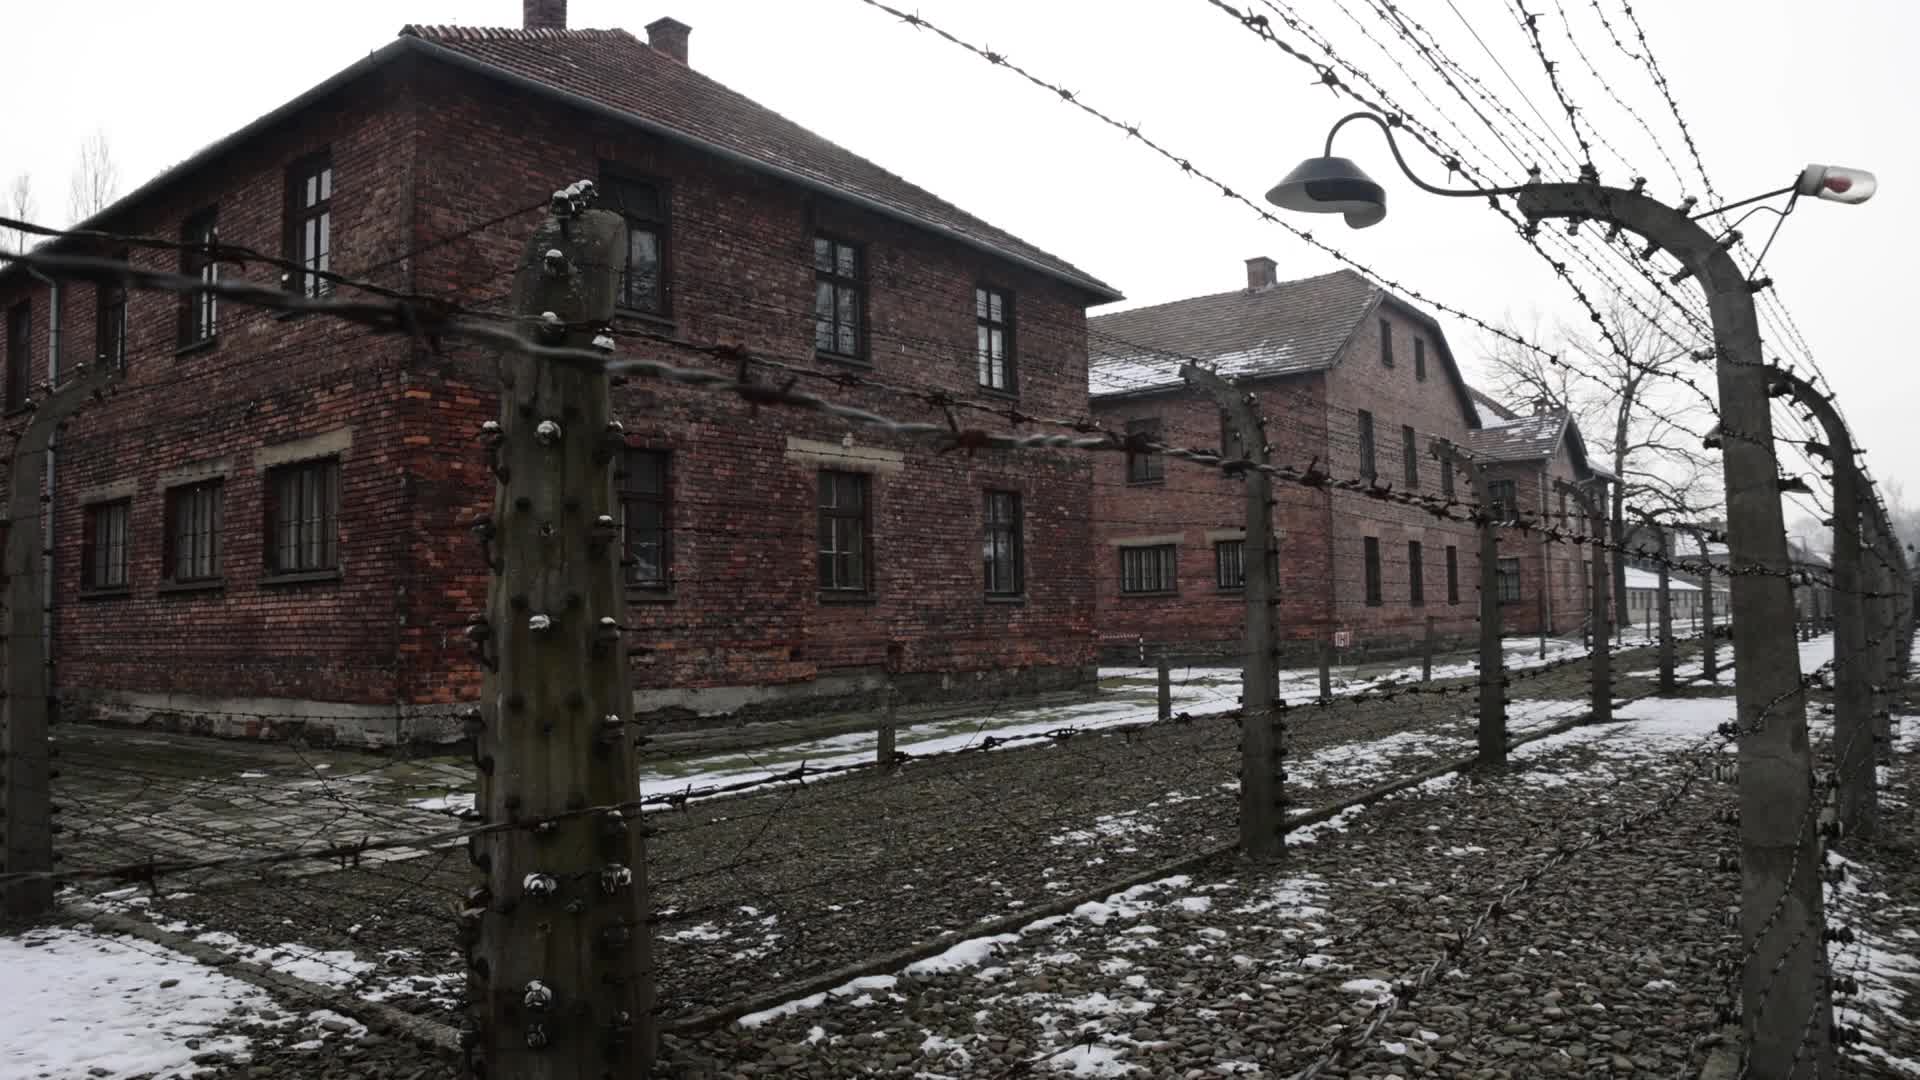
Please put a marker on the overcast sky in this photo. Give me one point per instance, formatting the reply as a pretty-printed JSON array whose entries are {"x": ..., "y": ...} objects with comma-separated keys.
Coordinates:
[{"x": 1765, "y": 87}]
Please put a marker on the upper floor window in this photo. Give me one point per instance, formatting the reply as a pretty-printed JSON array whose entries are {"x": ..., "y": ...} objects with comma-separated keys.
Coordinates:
[
  {"x": 1416, "y": 574},
  {"x": 1446, "y": 478},
  {"x": 839, "y": 295},
  {"x": 1386, "y": 343},
  {"x": 103, "y": 555},
  {"x": 1001, "y": 550},
  {"x": 644, "y": 517},
  {"x": 19, "y": 354},
  {"x": 1408, "y": 442},
  {"x": 1145, "y": 466},
  {"x": 1453, "y": 574},
  {"x": 199, "y": 311},
  {"x": 643, "y": 262},
  {"x": 1506, "y": 504},
  {"x": 310, "y": 223},
  {"x": 1370, "y": 553},
  {"x": 303, "y": 517},
  {"x": 1420, "y": 358},
  {"x": 993, "y": 337},
  {"x": 1369, "y": 467},
  {"x": 110, "y": 321},
  {"x": 843, "y": 532}
]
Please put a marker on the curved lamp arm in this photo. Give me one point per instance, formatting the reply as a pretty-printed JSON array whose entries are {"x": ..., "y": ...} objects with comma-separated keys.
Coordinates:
[{"x": 1405, "y": 169}]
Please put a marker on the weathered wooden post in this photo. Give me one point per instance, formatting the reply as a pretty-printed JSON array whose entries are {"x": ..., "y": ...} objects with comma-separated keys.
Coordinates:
[
  {"x": 1590, "y": 495},
  {"x": 1426, "y": 653},
  {"x": 883, "y": 745},
  {"x": 1164, "y": 670},
  {"x": 557, "y": 928}
]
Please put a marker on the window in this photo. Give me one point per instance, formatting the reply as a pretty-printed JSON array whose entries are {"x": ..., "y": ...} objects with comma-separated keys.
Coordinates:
[
  {"x": 110, "y": 322},
  {"x": 303, "y": 511},
  {"x": 1367, "y": 464},
  {"x": 200, "y": 311},
  {"x": 1446, "y": 478},
  {"x": 1148, "y": 569},
  {"x": 644, "y": 518},
  {"x": 1230, "y": 565},
  {"x": 1373, "y": 571},
  {"x": 310, "y": 223},
  {"x": 993, "y": 337},
  {"x": 1507, "y": 576},
  {"x": 1145, "y": 466},
  {"x": 193, "y": 533},
  {"x": 1453, "y": 574},
  {"x": 1420, "y": 359},
  {"x": 643, "y": 263},
  {"x": 1506, "y": 505},
  {"x": 19, "y": 354},
  {"x": 103, "y": 555},
  {"x": 1001, "y": 549},
  {"x": 838, "y": 296},
  {"x": 1386, "y": 343},
  {"x": 843, "y": 532},
  {"x": 1563, "y": 509},
  {"x": 1409, "y": 451},
  {"x": 1416, "y": 574}
]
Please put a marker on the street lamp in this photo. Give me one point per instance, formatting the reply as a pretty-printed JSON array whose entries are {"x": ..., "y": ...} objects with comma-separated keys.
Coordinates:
[
  {"x": 1781, "y": 903},
  {"x": 1336, "y": 185}
]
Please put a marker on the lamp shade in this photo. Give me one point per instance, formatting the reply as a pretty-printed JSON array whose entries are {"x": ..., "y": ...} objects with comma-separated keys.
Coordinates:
[
  {"x": 1331, "y": 185},
  {"x": 1836, "y": 184}
]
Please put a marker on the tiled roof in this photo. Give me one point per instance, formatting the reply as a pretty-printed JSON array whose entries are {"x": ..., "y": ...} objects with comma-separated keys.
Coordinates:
[
  {"x": 614, "y": 69},
  {"x": 1489, "y": 407},
  {"x": 1290, "y": 327},
  {"x": 1525, "y": 438}
]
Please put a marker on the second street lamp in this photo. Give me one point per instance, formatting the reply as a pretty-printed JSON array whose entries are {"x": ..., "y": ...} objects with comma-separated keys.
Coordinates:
[{"x": 1784, "y": 981}]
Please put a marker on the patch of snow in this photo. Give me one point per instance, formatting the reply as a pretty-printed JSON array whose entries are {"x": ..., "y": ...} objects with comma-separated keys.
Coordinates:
[{"x": 970, "y": 953}]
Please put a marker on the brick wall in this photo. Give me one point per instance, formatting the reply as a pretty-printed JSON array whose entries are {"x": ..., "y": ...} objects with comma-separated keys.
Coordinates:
[
  {"x": 220, "y": 411},
  {"x": 744, "y": 608}
]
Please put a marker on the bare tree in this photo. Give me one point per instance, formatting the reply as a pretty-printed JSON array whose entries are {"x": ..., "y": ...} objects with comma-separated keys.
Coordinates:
[
  {"x": 1902, "y": 515},
  {"x": 20, "y": 206},
  {"x": 95, "y": 179},
  {"x": 1638, "y": 421}
]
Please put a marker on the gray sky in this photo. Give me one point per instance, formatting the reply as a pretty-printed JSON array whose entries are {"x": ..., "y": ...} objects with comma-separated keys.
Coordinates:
[{"x": 1765, "y": 87}]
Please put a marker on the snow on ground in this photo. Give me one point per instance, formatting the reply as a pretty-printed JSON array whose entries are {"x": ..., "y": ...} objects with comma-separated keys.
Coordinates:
[
  {"x": 80, "y": 1002},
  {"x": 1885, "y": 967}
]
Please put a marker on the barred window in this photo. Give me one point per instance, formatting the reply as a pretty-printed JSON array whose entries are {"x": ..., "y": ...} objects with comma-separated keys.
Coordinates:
[
  {"x": 193, "y": 532},
  {"x": 1386, "y": 343},
  {"x": 1369, "y": 467},
  {"x": 1420, "y": 359},
  {"x": 1148, "y": 569},
  {"x": 1453, "y": 574},
  {"x": 103, "y": 555},
  {"x": 110, "y": 322},
  {"x": 1408, "y": 451},
  {"x": 1506, "y": 503},
  {"x": 1001, "y": 551},
  {"x": 1230, "y": 565},
  {"x": 303, "y": 510}
]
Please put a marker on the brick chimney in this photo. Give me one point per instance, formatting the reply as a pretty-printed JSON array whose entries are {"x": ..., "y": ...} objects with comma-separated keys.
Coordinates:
[
  {"x": 543, "y": 14},
  {"x": 669, "y": 36},
  {"x": 1260, "y": 272}
]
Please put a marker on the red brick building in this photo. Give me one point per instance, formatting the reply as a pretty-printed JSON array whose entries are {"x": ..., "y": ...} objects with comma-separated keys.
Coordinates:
[
  {"x": 1354, "y": 382},
  {"x": 1542, "y": 582},
  {"x": 268, "y": 524}
]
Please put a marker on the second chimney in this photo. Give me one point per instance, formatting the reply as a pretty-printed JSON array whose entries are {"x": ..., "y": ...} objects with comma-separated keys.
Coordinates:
[
  {"x": 1260, "y": 272},
  {"x": 669, "y": 37},
  {"x": 543, "y": 14}
]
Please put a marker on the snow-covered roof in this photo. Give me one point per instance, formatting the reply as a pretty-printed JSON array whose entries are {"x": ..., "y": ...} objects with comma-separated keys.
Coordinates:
[
  {"x": 1523, "y": 438},
  {"x": 1647, "y": 579}
]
